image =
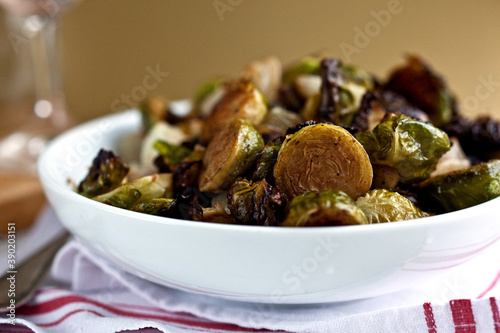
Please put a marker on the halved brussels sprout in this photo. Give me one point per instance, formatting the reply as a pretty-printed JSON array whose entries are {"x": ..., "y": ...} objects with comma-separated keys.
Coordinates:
[
  {"x": 322, "y": 157},
  {"x": 230, "y": 153},
  {"x": 242, "y": 100},
  {"x": 325, "y": 208},
  {"x": 412, "y": 147},
  {"x": 385, "y": 206},
  {"x": 139, "y": 190},
  {"x": 463, "y": 188}
]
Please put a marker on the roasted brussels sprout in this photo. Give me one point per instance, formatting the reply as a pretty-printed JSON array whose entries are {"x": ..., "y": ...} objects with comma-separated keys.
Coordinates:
[
  {"x": 325, "y": 208},
  {"x": 423, "y": 88},
  {"x": 242, "y": 100},
  {"x": 322, "y": 157},
  {"x": 153, "y": 206},
  {"x": 463, "y": 188},
  {"x": 139, "y": 190},
  {"x": 340, "y": 94},
  {"x": 231, "y": 152},
  {"x": 385, "y": 206},
  {"x": 107, "y": 172},
  {"x": 255, "y": 203},
  {"x": 412, "y": 147}
]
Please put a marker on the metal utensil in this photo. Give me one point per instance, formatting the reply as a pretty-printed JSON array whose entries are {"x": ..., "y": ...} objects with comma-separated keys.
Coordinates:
[{"x": 18, "y": 286}]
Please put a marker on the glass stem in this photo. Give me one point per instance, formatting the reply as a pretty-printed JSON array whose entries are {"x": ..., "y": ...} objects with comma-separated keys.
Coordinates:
[{"x": 49, "y": 103}]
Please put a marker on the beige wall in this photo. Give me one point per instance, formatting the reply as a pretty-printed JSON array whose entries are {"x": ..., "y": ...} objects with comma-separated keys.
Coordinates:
[{"x": 109, "y": 45}]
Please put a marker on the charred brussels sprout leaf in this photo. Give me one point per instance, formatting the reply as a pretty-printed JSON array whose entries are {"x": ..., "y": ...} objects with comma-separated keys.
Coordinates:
[
  {"x": 322, "y": 157},
  {"x": 231, "y": 152},
  {"x": 423, "y": 88},
  {"x": 325, "y": 208},
  {"x": 137, "y": 191},
  {"x": 185, "y": 206},
  {"x": 385, "y": 206},
  {"x": 171, "y": 154},
  {"x": 464, "y": 188},
  {"x": 412, "y": 147},
  {"x": 186, "y": 176},
  {"x": 255, "y": 203},
  {"x": 153, "y": 206},
  {"x": 478, "y": 137},
  {"x": 107, "y": 173}
]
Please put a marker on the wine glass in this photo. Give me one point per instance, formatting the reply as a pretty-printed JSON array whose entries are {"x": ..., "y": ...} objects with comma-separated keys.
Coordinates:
[{"x": 31, "y": 98}]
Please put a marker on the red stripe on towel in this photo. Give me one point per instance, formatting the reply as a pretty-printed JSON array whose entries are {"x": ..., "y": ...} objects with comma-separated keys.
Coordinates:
[
  {"x": 57, "y": 303},
  {"x": 496, "y": 314},
  {"x": 429, "y": 318},
  {"x": 463, "y": 317}
]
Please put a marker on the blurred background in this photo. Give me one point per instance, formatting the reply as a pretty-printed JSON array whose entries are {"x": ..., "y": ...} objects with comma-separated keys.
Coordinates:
[{"x": 109, "y": 47}]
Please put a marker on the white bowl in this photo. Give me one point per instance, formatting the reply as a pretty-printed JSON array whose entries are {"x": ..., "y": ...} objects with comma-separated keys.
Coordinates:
[{"x": 253, "y": 263}]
